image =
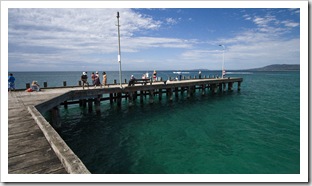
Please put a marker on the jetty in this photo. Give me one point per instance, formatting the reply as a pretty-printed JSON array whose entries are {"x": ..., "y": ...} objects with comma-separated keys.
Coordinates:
[{"x": 34, "y": 146}]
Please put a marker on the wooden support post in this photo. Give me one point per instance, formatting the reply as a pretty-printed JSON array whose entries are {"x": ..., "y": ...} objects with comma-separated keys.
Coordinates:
[
  {"x": 169, "y": 93},
  {"x": 84, "y": 103},
  {"x": 151, "y": 96},
  {"x": 111, "y": 98},
  {"x": 45, "y": 84},
  {"x": 97, "y": 103},
  {"x": 213, "y": 88},
  {"x": 65, "y": 105},
  {"x": 126, "y": 95},
  {"x": 160, "y": 94},
  {"x": 203, "y": 90},
  {"x": 192, "y": 90},
  {"x": 176, "y": 91},
  {"x": 56, "y": 119},
  {"x": 141, "y": 96},
  {"x": 119, "y": 99},
  {"x": 115, "y": 97},
  {"x": 64, "y": 83},
  {"x": 220, "y": 87},
  {"x": 80, "y": 102},
  {"x": 135, "y": 95},
  {"x": 130, "y": 97},
  {"x": 230, "y": 86},
  {"x": 182, "y": 90},
  {"x": 224, "y": 87},
  {"x": 239, "y": 86},
  {"x": 90, "y": 104},
  {"x": 188, "y": 92}
]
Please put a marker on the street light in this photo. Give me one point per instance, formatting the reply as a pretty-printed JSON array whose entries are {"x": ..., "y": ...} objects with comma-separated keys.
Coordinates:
[
  {"x": 119, "y": 57},
  {"x": 223, "y": 71}
]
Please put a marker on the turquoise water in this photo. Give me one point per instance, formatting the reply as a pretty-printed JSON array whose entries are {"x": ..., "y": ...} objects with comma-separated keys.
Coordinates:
[{"x": 254, "y": 131}]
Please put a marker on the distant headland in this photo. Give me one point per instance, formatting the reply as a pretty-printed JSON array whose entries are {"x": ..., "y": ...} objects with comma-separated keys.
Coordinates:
[
  {"x": 278, "y": 67},
  {"x": 274, "y": 67}
]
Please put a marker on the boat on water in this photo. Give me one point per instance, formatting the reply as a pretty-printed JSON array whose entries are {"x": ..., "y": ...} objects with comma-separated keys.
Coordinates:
[{"x": 179, "y": 72}]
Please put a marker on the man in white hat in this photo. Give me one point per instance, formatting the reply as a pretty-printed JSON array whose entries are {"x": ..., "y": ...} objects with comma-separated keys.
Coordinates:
[{"x": 84, "y": 79}]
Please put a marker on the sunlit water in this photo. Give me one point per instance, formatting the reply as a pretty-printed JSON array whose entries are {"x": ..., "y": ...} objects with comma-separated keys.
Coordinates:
[{"x": 254, "y": 131}]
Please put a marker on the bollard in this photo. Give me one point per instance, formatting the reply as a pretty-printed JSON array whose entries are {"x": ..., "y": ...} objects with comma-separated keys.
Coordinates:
[
  {"x": 45, "y": 84},
  {"x": 64, "y": 83},
  {"x": 27, "y": 85},
  {"x": 126, "y": 81},
  {"x": 115, "y": 82},
  {"x": 79, "y": 83}
]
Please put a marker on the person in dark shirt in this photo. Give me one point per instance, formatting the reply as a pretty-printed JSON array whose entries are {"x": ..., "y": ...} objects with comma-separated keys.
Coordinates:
[
  {"x": 84, "y": 79},
  {"x": 131, "y": 81}
]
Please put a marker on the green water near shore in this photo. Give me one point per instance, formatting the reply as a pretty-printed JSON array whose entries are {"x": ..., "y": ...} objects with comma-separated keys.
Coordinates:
[{"x": 254, "y": 131}]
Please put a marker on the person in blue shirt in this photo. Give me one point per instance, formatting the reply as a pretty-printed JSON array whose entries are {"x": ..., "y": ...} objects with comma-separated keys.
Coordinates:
[{"x": 11, "y": 82}]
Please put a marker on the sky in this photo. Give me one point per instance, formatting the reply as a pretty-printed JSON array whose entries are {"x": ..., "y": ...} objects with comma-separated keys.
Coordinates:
[{"x": 78, "y": 39}]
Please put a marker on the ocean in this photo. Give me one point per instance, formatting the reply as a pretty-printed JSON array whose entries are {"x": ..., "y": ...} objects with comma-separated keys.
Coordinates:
[{"x": 254, "y": 131}]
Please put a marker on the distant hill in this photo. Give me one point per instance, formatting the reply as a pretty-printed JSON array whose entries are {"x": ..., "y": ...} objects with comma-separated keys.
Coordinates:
[{"x": 278, "y": 67}]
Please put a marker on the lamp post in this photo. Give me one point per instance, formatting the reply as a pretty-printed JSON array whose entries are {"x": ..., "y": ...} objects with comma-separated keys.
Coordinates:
[
  {"x": 119, "y": 56},
  {"x": 223, "y": 71}
]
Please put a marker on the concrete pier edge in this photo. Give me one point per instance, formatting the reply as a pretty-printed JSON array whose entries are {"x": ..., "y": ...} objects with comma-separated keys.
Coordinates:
[{"x": 69, "y": 159}]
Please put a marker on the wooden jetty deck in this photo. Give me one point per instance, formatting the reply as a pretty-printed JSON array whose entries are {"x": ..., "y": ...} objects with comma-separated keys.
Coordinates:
[{"x": 35, "y": 147}]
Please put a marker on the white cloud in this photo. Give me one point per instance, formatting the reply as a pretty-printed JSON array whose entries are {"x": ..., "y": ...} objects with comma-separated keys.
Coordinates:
[
  {"x": 264, "y": 21},
  {"x": 171, "y": 21},
  {"x": 88, "y": 37},
  {"x": 289, "y": 23},
  {"x": 51, "y": 35}
]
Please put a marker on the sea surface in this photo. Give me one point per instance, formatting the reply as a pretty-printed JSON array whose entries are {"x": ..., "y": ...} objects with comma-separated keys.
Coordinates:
[{"x": 254, "y": 131}]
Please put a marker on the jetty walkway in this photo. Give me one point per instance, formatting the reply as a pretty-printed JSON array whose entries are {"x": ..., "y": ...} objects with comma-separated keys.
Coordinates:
[{"x": 35, "y": 147}]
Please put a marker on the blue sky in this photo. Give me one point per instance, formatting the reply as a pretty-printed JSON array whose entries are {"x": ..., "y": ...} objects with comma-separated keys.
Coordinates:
[{"x": 69, "y": 39}]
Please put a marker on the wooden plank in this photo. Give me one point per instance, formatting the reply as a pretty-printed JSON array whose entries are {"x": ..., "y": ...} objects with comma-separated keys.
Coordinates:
[
  {"x": 28, "y": 149},
  {"x": 29, "y": 144},
  {"x": 51, "y": 165},
  {"x": 30, "y": 159}
]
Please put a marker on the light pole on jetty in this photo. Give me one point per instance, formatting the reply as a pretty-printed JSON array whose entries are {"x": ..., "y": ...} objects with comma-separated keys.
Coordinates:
[
  {"x": 119, "y": 56},
  {"x": 223, "y": 71}
]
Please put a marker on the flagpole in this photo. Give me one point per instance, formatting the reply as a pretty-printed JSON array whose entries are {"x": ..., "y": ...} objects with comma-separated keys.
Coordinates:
[
  {"x": 223, "y": 71},
  {"x": 119, "y": 55}
]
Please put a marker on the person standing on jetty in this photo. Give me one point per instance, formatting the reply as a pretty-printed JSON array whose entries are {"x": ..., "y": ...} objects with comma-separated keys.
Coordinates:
[
  {"x": 93, "y": 78},
  {"x": 11, "y": 82},
  {"x": 84, "y": 79},
  {"x": 155, "y": 75},
  {"x": 97, "y": 80},
  {"x": 104, "y": 79},
  {"x": 131, "y": 81}
]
